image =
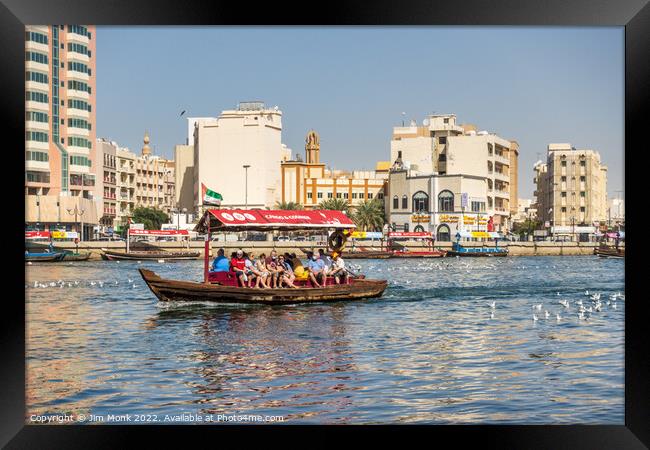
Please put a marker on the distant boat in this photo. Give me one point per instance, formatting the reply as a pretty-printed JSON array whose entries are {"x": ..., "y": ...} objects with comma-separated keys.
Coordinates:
[
  {"x": 72, "y": 256},
  {"x": 458, "y": 250},
  {"x": 148, "y": 255},
  {"x": 44, "y": 256},
  {"x": 609, "y": 252}
]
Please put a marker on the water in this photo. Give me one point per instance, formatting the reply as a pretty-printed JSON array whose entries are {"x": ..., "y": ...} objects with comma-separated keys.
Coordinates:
[{"x": 428, "y": 351}]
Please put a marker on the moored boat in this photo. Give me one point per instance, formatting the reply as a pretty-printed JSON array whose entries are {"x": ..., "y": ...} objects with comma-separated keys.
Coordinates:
[
  {"x": 223, "y": 287},
  {"x": 459, "y": 250},
  {"x": 44, "y": 256},
  {"x": 134, "y": 255},
  {"x": 610, "y": 252},
  {"x": 427, "y": 250}
]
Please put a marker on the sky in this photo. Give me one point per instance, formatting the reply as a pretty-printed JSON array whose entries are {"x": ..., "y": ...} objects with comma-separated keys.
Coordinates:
[{"x": 536, "y": 85}]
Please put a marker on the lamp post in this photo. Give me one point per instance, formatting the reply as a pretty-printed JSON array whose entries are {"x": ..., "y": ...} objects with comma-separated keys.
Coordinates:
[
  {"x": 573, "y": 228},
  {"x": 246, "y": 166},
  {"x": 77, "y": 212}
]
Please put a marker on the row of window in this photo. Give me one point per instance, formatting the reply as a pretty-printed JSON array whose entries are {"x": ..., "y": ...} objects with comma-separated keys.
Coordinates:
[
  {"x": 80, "y": 161},
  {"x": 79, "y": 86},
  {"x": 36, "y": 76},
  {"x": 582, "y": 194},
  {"x": 36, "y": 97},
  {"x": 35, "y": 116},
  {"x": 79, "y": 142},
  {"x": 582, "y": 209},
  {"x": 79, "y": 123},
  {"x": 78, "y": 29},
  {"x": 344, "y": 195},
  {"x": 582, "y": 163},
  {"x": 77, "y": 48},
  {"x": 36, "y": 37},
  {"x": 36, "y": 57},
  {"x": 36, "y": 156},
  {"x": 79, "y": 104},
  {"x": 37, "y": 177},
  {"x": 583, "y": 178},
  {"x": 37, "y": 136},
  {"x": 78, "y": 67}
]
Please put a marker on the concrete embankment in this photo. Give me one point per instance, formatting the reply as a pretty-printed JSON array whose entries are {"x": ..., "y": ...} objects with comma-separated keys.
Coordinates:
[{"x": 515, "y": 248}]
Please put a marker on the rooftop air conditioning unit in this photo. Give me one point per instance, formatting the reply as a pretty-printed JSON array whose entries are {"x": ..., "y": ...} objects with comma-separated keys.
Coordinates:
[{"x": 483, "y": 133}]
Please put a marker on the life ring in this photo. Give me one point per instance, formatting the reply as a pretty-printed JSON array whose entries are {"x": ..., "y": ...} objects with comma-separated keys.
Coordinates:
[{"x": 336, "y": 241}]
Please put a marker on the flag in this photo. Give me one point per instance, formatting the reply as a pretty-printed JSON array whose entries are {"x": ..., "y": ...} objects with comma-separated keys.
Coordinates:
[{"x": 210, "y": 197}]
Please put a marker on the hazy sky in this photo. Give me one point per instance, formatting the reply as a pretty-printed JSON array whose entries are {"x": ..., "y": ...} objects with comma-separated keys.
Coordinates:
[{"x": 536, "y": 85}]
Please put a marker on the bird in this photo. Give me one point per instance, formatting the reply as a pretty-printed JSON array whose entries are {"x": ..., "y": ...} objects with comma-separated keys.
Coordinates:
[
  {"x": 558, "y": 317},
  {"x": 546, "y": 315},
  {"x": 558, "y": 294},
  {"x": 182, "y": 113},
  {"x": 564, "y": 303},
  {"x": 579, "y": 302},
  {"x": 493, "y": 305},
  {"x": 492, "y": 315},
  {"x": 614, "y": 305},
  {"x": 534, "y": 318},
  {"x": 130, "y": 280},
  {"x": 586, "y": 292},
  {"x": 581, "y": 315},
  {"x": 538, "y": 307}
]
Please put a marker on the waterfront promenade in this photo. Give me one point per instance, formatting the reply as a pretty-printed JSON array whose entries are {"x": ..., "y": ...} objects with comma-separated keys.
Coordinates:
[{"x": 515, "y": 248}]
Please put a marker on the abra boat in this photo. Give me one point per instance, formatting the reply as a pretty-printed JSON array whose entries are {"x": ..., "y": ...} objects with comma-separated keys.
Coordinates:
[
  {"x": 146, "y": 251},
  {"x": 223, "y": 287},
  {"x": 609, "y": 252},
  {"x": 44, "y": 256},
  {"x": 427, "y": 250},
  {"x": 458, "y": 250}
]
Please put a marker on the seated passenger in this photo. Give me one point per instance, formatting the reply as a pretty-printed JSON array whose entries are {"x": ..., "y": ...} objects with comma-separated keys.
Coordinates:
[
  {"x": 326, "y": 260},
  {"x": 316, "y": 269},
  {"x": 263, "y": 276},
  {"x": 286, "y": 274},
  {"x": 298, "y": 269},
  {"x": 251, "y": 272},
  {"x": 338, "y": 269},
  {"x": 272, "y": 267},
  {"x": 238, "y": 265},
  {"x": 220, "y": 263}
]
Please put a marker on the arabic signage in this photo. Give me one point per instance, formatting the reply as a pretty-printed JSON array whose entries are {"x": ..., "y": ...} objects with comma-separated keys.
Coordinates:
[
  {"x": 420, "y": 218},
  {"x": 447, "y": 218},
  {"x": 260, "y": 218},
  {"x": 65, "y": 235},
  {"x": 36, "y": 234},
  {"x": 159, "y": 232},
  {"x": 409, "y": 234}
]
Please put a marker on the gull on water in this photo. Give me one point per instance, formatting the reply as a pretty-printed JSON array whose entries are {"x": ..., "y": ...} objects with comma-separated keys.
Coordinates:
[
  {"x": 587, "y": 293},
  {"x": 546, "y": 314},
  {"x": 558, "y": 317},
  {"x": 581, "y": 315},
  {"x": 534, "y": 318},
  {"x": 493, "y": 305},
  {"x": 538, "y": 307}
]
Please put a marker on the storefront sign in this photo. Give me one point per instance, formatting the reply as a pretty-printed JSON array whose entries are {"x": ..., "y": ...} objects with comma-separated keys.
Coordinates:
[
  {"x": 137, "y": 226},
  {"x": 366, "y": 235},
  {"x": 420, "y": 218},
  {"x": 448, "y": 218},
  {"x": 65, "y": 235}
]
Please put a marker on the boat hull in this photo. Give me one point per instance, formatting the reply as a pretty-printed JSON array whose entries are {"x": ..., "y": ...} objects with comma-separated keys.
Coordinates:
[
  {"x": 610, "y": 253},
  {"x": 367, "y": 255},
  {"x": 419, "y": 255},
  {"x": 476, "y": 254},
  {"x": 76, "y": 257},
  {"x": 44, "y": 257},
  {"x": 177, "y": 290},
  {"x": 137, "y": 256}
]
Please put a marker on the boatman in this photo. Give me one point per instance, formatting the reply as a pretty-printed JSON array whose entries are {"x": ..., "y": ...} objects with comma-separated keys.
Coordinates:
[
  {"x": 220, "y": 263},
  {"x": 338, "y": 268},
  {"x": 238, "y": 265}
]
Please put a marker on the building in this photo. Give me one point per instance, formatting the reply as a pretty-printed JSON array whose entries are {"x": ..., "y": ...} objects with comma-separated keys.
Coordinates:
[
  {"x": 442, "y": 147},
  {"x": 571, "y": 188},
  {"x": 125, "y": 187},
  {"x": 184, "y": 176},
  {"x": 238, "y": 155},
  {"x": 106, "y": 176},
  {"x": 60, "y": 128},
  {"x": 526, "y": 210},
  {"x": 309, "y": 182},
  {"x": 154, "y": 180},
  {"x": 439, "y": 204},
  {"x": 616, "y": 212}
]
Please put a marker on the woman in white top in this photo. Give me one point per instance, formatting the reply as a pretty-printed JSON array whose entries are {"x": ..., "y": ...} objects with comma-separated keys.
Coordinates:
[{"x": 264, "y": 273}]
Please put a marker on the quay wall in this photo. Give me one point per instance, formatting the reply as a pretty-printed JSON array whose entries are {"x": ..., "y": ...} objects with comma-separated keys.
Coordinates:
[{"x": 515, "y": 248}]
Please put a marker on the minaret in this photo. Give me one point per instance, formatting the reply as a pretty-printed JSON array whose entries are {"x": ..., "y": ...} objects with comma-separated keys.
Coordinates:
[
  {"x": 146, "y": 150},
  {"x": 312, "y": 147}
]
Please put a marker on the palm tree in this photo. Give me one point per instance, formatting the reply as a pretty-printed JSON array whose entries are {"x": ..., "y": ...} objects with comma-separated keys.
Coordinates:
[
  {"x": 338, "y": 204},
  {"x": 369, "y": 215},
  {"x": 289, "y": 205}
]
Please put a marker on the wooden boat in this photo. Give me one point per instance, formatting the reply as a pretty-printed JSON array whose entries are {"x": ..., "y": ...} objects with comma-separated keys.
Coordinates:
[
  {"x": 427, "y": 250},
  {"x": 135, "y": 255},
  {"x": 459, "y": 250},
  {"x": 44, "y": 257},
  {"x": 73, "y": 256},
  {"x": 368, "y": 254},
  {"x": 417, "y": 254},
  {"x": 176, "y": 290},
  {"x": 223, "y": 287},
  {"x": 609, "y": 252}
]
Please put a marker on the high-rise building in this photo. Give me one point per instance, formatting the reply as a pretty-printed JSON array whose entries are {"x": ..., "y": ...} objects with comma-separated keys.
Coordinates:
[
  {"x": 309, "y": 182},
  {"x": 60, "y": 127},
  {"x": 441, "y": 147},
  {"x": 106, "y": 187},
  {"x": 571, "y": 187}
]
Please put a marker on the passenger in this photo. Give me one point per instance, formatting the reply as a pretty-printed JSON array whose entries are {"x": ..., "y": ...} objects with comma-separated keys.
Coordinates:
[
  {"x": 274, "y": 270},
  {"x": 260, "y": 265},
  {"x": 298, "y": 269},
  {"x": 326, "y": 260},
  {"x": 338, "y": 269},
  {"x": 220, "y": 263},
  {"x": 238, "y": 265},
  {"x": 288, "y": 260},
  {"x": 287, "y": 272},
  {"x": 316, "y": 269},
  {"x": 251, "y": 272}
]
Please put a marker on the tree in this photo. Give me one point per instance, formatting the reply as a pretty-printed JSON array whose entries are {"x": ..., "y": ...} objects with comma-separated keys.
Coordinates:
[
  {"x": 152, "y": 218},
  {"x": 526, "y": 227},
  {"x": 338, "y": 204},
  {"x": 292, "y": 206},
  {"x": 369, "y": 215}
]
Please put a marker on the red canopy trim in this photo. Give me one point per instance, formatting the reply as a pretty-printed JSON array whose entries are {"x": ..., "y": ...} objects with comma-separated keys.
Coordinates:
[
  {"x": 411, "y": 234},
  {"x": 36, "y": 234},
  {"x": 264, "y": 220},
  {"x": 158, "y": 232}
]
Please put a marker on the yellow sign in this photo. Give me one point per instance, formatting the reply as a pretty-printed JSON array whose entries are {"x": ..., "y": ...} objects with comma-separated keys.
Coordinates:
[
  {"x": 58, "y": 234},
  {"x": 446, "y": 218},
  {"x": 420, "y": 218},
  {"x": 358, "y": 234},
  {"x": 480, "y": 234}
]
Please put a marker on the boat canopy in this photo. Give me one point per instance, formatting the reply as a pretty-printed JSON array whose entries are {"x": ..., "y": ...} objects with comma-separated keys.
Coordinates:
[
  {"x": 270, "y": 219},
  {"x": 135, "y": 232},
  {"x": 410, "y": 234}
]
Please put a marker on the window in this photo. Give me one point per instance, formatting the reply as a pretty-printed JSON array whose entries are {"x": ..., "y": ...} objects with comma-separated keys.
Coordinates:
[
  {"x": 36, "y": 37},
  {"x": 583, "y": 209},
  {"x": 442, "y": 157},
  {"x": 563, "y": 178},
  {"x": 583, "y": 178},
  {"x": 406, "y": 227},
  {"x": 562, "y": 194},
  {"x": 395, "y": 202},
  {"x": 443, "y": 233},
  {"x": 36, "y": 116},
  {"x": 79, "y": 142},
  {"x": 329, "y": 195},
  {"x": 446, "y": 201},
  {"x": 563, "y": 209},
  {"x": 419, "y": 229},
  {"x": 420, "y": 202},
  {"x": 36, "y": 97},
  {"x": 489, "y": 149},
  {"x": 77, "y": 48},
  {"x": 338, "y": 195},
  {"x": 36, "y": 156},
  {"x": 478, "y": 206},
  {"x": 78, "y": 86},
  {"x": 36, "y": 76},
  {"x": 583, "y": 163},
  {"x": 78, "y": 29},
  {"x": 79, "y": 104},
  {"x": 78, "y": 67},
  {"x": 354, "y": 195},
  {"x": 446, "y": 120},
  {"x": 380, "y": 195},
  {"x": 582, "y": 194},
  {"x": 369, "y": 195},
  {"x": 442, "y": 140},
  {"x": 345, "y": 195},
  {"x": 37, "y": 177},
  {"x": 37, "y": 136},
  {"x": 36, "y": 57},
  {"x": 309, "y": 195},
  {"x": 79, "y": 123},
  {"x": 319, "y": 195}
]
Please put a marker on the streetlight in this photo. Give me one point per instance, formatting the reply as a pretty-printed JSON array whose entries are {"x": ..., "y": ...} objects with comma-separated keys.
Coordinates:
[
  {"x": 79, "y": 213},
  {"x": 246, "y": 166}
]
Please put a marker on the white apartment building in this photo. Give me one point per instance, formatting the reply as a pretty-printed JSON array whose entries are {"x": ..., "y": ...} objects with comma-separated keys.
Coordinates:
[
  {"x": 442, "y": 147},
  {"x": 250, "y": 135}
]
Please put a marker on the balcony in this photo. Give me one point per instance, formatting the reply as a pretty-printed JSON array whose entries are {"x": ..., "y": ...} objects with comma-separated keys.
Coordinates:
[
  {"x": 89, "y": 180},
  {"x": 502, "y": 159},
  {"x": 500, "y": 176}
]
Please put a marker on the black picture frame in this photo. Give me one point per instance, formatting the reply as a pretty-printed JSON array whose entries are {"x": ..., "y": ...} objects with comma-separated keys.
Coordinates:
[{"x": 634, "y": 15}]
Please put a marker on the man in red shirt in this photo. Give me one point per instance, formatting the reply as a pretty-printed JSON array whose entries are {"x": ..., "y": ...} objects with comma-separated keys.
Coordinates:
[{"x": 238, "y": 265}]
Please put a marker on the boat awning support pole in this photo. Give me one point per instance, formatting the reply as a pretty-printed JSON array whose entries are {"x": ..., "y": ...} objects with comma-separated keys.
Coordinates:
[
  {"x": 206, "y": 255},
  {"x": 128, "y": 238}
]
